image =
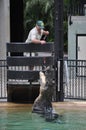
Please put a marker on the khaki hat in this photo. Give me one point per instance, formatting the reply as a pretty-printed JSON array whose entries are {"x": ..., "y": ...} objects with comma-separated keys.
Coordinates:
[{"x": 40, "y": 24}]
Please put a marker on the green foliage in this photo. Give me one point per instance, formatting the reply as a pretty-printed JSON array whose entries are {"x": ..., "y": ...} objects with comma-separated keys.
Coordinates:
[
  {"x": 38, "y": 10},
  {"x": 43, "y": 10}
]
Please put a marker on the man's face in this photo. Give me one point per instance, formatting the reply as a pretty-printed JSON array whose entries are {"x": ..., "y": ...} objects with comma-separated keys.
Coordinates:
[{"x": 38, "y": 28}]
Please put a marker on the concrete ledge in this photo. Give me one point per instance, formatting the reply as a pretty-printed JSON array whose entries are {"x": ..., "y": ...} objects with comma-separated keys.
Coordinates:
[{"x": 59, "y": 106}]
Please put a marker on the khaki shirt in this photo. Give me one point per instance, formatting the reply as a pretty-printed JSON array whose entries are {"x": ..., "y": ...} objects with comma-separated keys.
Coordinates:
[{"x": 33, "y": 34}]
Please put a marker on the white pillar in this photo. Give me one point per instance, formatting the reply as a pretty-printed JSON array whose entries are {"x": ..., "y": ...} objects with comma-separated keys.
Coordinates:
[
  {"x": 4, "y": 27},
  {"x": 84, "y": 9}
]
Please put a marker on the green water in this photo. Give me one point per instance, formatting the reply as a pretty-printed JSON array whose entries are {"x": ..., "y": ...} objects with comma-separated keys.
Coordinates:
[{"x": 21, "y": 118}]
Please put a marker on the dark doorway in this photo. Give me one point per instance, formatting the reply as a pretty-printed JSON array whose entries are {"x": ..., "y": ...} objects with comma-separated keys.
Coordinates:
[{"x": 16, "y": 22}]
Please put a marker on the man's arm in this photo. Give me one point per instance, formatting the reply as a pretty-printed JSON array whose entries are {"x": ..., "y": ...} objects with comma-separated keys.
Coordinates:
[
  {"x": 36, "y": 41},
  {"x": 45, "y": 32}
]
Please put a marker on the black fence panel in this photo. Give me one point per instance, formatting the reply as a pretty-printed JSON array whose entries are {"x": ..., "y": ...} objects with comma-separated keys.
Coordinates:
[
  {"x": 77, "y": 7},
  {"x": 34, "y": 59},
  {"x": 75, "y": 79}
]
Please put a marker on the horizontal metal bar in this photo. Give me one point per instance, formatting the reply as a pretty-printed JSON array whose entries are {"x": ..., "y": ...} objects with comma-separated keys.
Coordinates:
[
  {"x": 13, "y": 85},
  {"x": 24, "y": 47},
  {"x": 25, "y": 75},
  {"x": 78, "y": 66},
  {"x": 26, "y": 61}
]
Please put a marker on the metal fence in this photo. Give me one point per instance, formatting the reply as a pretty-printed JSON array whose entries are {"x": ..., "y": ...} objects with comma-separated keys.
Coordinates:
[
  {"x": 3, "y": 79},
  {"x": 78, "y": 8},
  {"x": 74, "y": 79}
]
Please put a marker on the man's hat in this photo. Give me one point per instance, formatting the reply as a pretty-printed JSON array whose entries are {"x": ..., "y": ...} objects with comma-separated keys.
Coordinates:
[{"x": 40, "y": 24}]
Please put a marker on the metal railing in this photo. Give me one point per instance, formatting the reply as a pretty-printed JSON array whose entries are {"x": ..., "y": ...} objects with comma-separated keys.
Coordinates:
[
  {"x": 74, "y": 79},
  {"x": 78, "y": 8}
]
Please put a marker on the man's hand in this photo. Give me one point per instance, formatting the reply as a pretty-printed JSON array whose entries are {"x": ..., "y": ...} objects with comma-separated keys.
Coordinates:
[
  {"x": 45, "y": 32},
  {"x": 43, "y": 42}
]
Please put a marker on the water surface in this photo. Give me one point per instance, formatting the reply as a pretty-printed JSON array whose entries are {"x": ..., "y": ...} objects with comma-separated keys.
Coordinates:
[{"x": 21, "y": 118}]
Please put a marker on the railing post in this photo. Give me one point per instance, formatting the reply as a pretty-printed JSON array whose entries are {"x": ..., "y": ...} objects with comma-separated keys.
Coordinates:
[{"x": 59, "y": 45}]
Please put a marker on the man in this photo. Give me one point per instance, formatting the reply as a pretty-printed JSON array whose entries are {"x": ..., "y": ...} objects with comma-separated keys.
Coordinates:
[
  {"x": 35, "y": 36},
  {"x": 36, "y": 33}
]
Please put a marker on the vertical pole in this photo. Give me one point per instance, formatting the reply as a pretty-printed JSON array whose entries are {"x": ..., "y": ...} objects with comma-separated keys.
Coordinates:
[
  {"x": 56, "y": 44},
  {"x": 59, "y": 46}
]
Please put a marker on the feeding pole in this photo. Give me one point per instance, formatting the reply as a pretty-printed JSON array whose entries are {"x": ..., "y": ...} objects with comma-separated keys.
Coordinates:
[{"x": 59, "y": 47}]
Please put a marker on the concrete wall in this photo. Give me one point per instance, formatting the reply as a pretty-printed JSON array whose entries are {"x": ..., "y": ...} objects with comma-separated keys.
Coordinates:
[
  {"x": 78, "y": 26},
  {"x": 4, "y": 27}
]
